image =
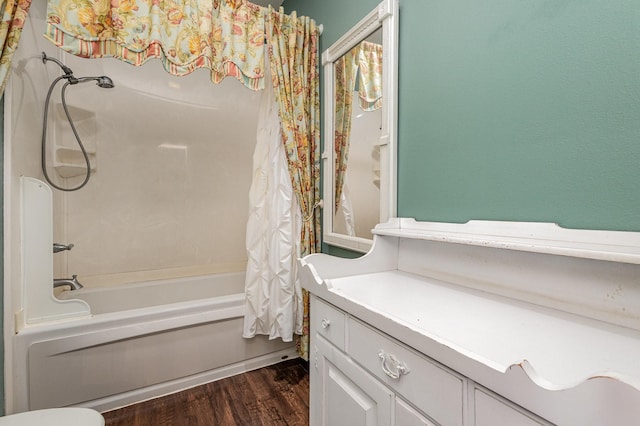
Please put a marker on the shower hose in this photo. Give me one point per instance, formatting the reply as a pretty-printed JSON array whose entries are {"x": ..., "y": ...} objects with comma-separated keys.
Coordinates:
[{"x": 75, "y": 133}]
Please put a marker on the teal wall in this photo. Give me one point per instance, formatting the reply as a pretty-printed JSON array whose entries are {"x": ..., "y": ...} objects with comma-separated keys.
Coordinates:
[{"x": 513, "y": 110}]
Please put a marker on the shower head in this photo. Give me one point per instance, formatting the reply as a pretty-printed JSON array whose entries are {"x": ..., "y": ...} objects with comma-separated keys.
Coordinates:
[
  {"x": 67, "y": 71},
  {"x": 102, "y": 81},
  {"x": 105, "y": 82}
]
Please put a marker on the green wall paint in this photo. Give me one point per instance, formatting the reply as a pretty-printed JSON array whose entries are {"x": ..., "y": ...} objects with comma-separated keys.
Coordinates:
[
  {"x": 340, "y": 252},
  {"x": 513, "y": 110}
]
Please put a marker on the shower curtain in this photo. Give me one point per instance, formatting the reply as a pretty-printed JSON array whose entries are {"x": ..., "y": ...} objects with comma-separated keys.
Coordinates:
[
  {"x": 14, "y": 12},
  {"x": 293, "y": 55},
  {"x": 228, "y": 38},
  {"x": 273, "y": 295}
]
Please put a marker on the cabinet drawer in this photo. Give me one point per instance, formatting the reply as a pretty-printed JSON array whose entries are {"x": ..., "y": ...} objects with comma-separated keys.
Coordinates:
[
  {"x": 328, "y": 322},
  {"x": 430, "y": 387},
  {"x": 407, "y": 416},
  {"x": 492, "y": 410}
]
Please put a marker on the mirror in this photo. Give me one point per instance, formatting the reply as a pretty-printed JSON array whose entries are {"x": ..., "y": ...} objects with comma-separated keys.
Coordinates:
[{"x": 360, "y": 72}]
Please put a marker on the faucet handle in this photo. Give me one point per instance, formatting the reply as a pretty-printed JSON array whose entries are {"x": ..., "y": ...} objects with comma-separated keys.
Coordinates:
[{"x": 57, "y": 247}]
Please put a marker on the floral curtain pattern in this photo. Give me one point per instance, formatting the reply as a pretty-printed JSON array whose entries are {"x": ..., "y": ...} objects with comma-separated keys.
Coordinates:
[
  {"x": 224, "y": 36},
  {"x": 345, "y": 70},
  {"x": 293, "y": 53},
  {"x": 370, "y": 69},
  {"x": 14, "y": 13},
  {"x": 364, "y": 64}
]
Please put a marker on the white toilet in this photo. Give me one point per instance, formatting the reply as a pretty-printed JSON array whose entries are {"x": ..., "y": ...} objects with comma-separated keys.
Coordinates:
[{"x": 55, "y": 417}]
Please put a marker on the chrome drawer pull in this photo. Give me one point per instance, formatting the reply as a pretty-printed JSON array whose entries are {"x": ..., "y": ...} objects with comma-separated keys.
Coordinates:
[
  {"x": 397, "y": 365},
  {"x": 325, "y": 323}
]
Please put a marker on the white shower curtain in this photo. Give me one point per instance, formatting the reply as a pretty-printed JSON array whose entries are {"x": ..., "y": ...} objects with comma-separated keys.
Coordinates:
[{"x": 273, "y": 303}]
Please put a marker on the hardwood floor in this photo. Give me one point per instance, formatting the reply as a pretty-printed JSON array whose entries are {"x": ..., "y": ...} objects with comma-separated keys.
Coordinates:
[{"x": 274, "y": 395}]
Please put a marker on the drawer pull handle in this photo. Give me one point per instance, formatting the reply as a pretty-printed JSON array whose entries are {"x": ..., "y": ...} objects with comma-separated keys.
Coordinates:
[
  {"x": 392, "y": 366},
  {"x": 325, "y": 323}
]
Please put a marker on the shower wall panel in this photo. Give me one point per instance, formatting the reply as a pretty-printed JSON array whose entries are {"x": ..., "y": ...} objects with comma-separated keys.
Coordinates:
[{"x": 173, "y": 165}]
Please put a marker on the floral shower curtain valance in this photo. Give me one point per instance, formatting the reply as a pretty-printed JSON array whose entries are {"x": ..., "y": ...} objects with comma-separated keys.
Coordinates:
[{"x": 225, "y": 36}]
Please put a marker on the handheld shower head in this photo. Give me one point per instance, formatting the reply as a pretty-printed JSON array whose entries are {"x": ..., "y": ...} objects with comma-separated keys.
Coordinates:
[
  {"x": 105, "y": 82},
  {"x": 102, "y": 81}
]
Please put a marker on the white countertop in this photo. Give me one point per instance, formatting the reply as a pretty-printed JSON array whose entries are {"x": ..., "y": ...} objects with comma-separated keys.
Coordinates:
[{"x": 557, "y": 350}]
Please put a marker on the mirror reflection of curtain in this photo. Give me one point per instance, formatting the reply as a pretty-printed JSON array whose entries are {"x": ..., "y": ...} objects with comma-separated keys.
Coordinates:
[
  {"x": 347, "y": 209},
  {"x": 363, "y": 63},
  {"x": 370, "y": 82},
  {"x": 346, "y": 69}
]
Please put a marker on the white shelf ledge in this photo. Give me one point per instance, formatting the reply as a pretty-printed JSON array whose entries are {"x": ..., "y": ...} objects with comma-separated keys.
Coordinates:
[{"x": 549, "y": 238}]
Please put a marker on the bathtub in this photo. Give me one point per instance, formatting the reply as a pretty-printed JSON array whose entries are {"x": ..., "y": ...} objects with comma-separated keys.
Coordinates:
[{"x": 142, "y": 341}]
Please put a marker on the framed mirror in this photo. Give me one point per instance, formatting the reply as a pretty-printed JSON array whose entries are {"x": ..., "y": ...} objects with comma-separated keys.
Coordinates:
[{"x": 359, "y": 158}]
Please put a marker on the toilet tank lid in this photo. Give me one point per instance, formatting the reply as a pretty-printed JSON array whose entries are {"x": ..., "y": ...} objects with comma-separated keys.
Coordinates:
[{"x": 55, "y": 417}]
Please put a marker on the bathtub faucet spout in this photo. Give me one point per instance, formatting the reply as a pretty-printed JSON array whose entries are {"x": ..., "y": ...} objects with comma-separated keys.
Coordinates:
[
  {"x": 72, "y": 282},
  {"x": 57, "y": 247}
]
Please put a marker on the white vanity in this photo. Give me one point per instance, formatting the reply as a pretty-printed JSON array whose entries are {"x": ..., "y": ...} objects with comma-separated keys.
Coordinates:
[{"x": 484, "y": 323}]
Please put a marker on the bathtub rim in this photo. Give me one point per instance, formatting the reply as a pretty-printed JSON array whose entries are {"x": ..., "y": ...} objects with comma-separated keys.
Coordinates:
[{"x": 144, "y": 285}]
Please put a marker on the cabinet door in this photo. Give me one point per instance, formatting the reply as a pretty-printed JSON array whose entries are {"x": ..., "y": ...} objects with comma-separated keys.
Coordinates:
[{"x": 349, "y": 396}]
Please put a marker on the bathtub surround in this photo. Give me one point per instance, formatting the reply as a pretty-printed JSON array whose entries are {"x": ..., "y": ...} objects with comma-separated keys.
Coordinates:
[{"x": 38, "y": 304}]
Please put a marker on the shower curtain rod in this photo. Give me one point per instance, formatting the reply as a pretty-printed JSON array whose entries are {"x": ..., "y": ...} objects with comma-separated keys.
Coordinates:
[{"x": 320, "y": 27}]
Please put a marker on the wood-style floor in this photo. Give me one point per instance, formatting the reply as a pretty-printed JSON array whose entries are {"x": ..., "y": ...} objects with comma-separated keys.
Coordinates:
[{"x": 274, "y": 395}]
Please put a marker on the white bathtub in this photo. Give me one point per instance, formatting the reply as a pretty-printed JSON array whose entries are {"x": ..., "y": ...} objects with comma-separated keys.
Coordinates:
[{"x": 143, "y": 340}]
